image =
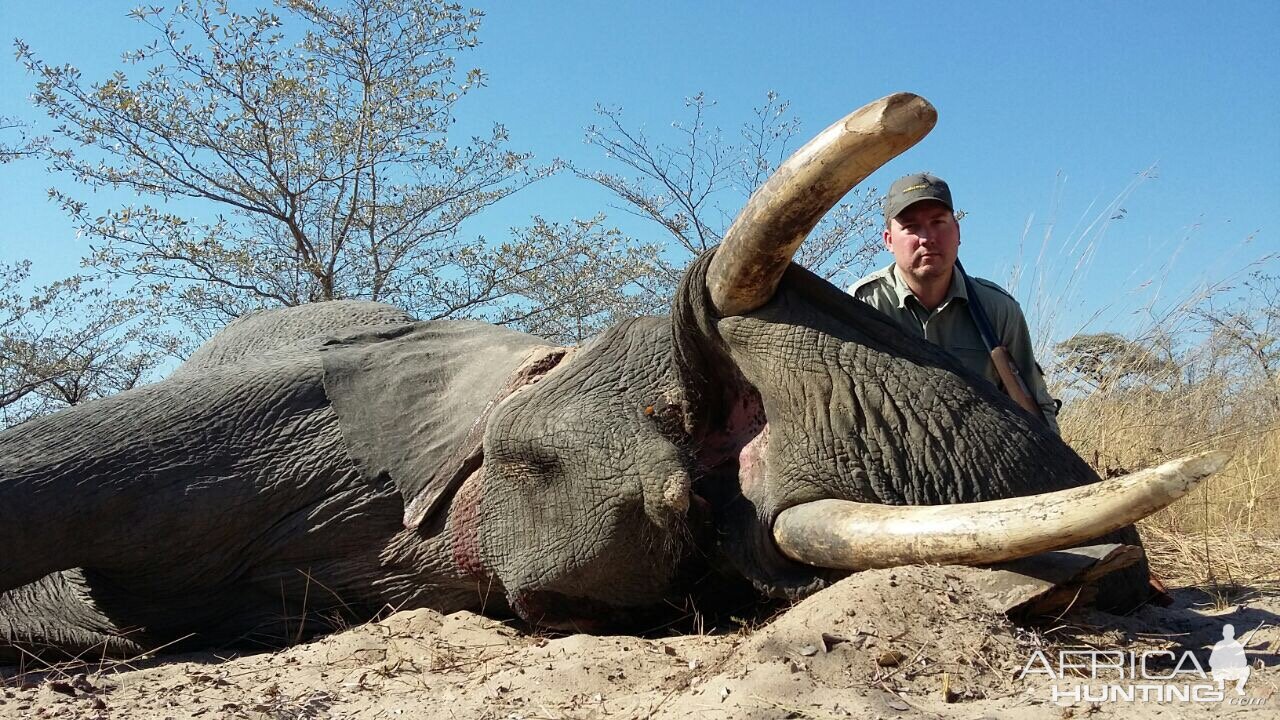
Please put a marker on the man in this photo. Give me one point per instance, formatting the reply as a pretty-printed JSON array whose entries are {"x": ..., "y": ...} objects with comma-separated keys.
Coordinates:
[{"x": 925, "y": 294}]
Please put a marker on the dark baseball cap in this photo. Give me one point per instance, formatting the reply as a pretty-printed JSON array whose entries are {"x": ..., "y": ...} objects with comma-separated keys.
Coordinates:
[{"x": 911, "y": 189}]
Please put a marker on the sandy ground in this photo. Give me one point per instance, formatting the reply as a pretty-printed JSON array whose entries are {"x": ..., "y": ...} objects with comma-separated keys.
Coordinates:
[{"x": 910, "y": 642}]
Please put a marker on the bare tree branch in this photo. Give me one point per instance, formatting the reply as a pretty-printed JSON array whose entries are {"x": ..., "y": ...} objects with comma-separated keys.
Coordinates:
[
  {"x": 69, "y": 342},
  {"x": 692, "y": 188}
]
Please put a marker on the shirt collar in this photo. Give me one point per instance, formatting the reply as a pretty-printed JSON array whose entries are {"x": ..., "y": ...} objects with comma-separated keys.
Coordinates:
[{"x": 903, "y": 291}]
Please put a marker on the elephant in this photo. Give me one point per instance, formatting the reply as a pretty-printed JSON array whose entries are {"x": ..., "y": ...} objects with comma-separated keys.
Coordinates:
[{"x": 316, "y": 465}]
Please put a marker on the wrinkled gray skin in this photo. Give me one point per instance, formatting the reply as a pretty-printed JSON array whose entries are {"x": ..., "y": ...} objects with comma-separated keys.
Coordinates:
[{"x": 259, "y": 494}]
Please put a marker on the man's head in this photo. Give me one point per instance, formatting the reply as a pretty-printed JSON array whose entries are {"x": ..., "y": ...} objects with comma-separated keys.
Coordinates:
[{"x": 921, "y": 229}]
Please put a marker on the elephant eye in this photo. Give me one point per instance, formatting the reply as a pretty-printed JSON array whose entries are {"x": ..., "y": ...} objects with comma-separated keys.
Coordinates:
[{"x": 535, "y": 464}]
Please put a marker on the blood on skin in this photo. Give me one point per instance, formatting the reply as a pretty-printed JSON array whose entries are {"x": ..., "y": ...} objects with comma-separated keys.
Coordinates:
[
  {"x": 751, "y": 465},
  {"x": 464, "y": 521}
]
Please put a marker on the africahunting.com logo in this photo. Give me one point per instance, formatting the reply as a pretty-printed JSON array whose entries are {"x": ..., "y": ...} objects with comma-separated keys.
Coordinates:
[{"x": 1161, "y": 676}]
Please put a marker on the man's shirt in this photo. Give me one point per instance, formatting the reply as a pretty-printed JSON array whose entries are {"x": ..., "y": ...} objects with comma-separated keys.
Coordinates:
[{"x": 950, "y": 326}]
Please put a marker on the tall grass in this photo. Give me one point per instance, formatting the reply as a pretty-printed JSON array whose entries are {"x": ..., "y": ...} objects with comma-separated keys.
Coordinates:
[
  {"x": 1225, "y": 531},
  {"x": 1169, "y": 383}
]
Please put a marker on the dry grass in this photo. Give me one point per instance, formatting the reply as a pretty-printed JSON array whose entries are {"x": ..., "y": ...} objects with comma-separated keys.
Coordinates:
[
  {"x": 1224, "y": 534},
  {"x": 1224, "y": 563}
]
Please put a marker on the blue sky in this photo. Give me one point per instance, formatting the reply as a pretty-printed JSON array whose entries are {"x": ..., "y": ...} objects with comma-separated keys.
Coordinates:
[{"x": 1047, "y": 113}]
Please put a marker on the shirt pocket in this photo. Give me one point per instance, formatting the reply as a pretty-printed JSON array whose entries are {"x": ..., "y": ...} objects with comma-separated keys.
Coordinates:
[{"x": 976, "y": 360}]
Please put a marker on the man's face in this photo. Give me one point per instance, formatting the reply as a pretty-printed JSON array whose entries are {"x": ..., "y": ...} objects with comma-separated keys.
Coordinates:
[{"x": 924, "y": 240}]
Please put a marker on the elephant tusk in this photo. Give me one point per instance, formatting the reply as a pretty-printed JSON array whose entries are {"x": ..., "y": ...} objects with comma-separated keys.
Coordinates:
[
  {"x": 758, "y": 246},
  {"x": 849, "y": 535}
]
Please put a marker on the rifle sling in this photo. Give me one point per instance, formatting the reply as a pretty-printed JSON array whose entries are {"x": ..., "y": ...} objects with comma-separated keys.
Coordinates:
[
  {"x": 978, "y": 313},
  {"x": 1014, "y": 385}
]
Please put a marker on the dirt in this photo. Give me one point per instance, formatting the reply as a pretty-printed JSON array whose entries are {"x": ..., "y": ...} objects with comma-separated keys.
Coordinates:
[{"x": 909, "y": 642}]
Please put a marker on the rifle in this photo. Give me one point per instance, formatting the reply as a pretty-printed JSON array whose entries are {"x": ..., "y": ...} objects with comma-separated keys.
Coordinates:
[{"x": 1006, "y": 368}]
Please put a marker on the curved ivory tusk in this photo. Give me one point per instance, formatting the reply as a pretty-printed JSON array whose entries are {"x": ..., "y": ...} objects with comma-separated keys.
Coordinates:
[
  {"x": 859, "y": 536},
  {"x": 758, "y": 247}
]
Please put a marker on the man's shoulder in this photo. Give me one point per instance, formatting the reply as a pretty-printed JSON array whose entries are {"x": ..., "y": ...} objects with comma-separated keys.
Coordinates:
[
  {"x": 869, "y": 283},
  {"x": 989, "y": 288},
  {"x": 999, "y": 303}
]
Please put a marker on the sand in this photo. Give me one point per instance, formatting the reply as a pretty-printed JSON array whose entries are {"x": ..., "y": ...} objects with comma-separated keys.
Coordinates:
[{"x": 909, "y": 642}]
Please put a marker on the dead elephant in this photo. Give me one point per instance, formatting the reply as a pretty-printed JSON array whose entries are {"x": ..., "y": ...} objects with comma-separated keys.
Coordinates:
[{"x": 339, "y": 459}]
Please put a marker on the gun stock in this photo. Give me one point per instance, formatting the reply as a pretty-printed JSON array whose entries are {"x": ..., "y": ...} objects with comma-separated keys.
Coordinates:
[{"x": 1013, "y": 382}]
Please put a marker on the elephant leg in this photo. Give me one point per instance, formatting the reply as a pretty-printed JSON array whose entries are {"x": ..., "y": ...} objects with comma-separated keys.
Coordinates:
[
  {"x": 76, "y": 615},
  {"x": 54, "y": 620}
]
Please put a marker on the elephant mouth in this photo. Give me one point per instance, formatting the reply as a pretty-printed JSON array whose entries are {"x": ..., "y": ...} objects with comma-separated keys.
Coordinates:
[{"x": 847, "y": 535}]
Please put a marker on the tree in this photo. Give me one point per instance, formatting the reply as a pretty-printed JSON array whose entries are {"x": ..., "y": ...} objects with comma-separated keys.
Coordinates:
[
  {"x": 318, "y": 155},
  {"x": 1248, "y": 331},
  {"x": 693, "y": 189},
  {"x": 582, "y": 278},
  {"x": 1106, "y": 361},
  {"x": 69, "y": 342}
]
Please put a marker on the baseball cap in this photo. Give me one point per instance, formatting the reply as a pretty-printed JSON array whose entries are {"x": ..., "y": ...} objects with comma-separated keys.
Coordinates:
[{"x": 912, "y": 189}]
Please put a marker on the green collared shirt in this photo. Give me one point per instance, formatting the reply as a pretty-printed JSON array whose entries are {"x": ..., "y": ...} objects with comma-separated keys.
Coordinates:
[{"x": 950, "y": 326}]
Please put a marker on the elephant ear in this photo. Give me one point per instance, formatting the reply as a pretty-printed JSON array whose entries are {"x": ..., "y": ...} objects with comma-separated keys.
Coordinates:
[{"x": 412, "y": 401}]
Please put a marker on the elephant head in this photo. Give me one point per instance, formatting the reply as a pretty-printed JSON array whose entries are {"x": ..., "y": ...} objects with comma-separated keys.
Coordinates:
[{"x": 775, "y": 429}]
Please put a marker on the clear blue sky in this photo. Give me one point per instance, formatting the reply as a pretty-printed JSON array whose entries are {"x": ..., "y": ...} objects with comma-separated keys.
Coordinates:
[{"x": 1047, "y": 112}]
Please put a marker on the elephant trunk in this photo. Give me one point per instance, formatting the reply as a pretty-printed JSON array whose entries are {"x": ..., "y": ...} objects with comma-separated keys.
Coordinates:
[
  {"x": 759, "y": 246},
  {"x": 848, "y": 535}
]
